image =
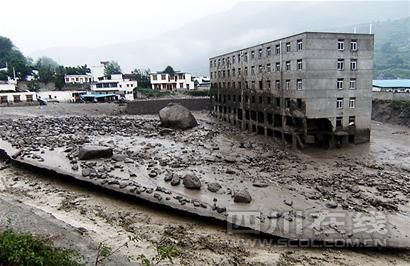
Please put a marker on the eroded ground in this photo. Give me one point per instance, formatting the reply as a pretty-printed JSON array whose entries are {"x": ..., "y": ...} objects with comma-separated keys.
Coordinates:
[{"x": 362, "y": 178}]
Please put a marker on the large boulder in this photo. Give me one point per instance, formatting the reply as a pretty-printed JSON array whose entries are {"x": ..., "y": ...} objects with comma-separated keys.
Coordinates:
[
  {"x": 176, "y": 116},
  {"x": 88, "y": 152},
  {"x": 192, "y": 182}
]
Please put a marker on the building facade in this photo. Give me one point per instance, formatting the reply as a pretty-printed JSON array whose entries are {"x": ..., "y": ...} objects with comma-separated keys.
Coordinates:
[
  {"x": 171, "y": 82},
  {"x": 310, "y": 88},
  {"x": 78, "y": 79},
  {"x": 9, "y": 95},
  {"x": 117, "y": 85}
]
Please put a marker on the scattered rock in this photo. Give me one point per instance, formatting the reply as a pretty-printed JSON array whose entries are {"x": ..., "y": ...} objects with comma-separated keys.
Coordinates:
[
  {"x": 331, "y": 204},
  {"x": 192, "y": 182},
  {"x": 175, "y": 180},
  {"x": 214, "y": 187},
  {"x": 242, "y": 196},
  {"x": 88, "y": 152}
]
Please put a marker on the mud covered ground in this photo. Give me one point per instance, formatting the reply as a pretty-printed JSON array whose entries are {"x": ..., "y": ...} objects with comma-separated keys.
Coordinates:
[{"x": 367, "y": 177}]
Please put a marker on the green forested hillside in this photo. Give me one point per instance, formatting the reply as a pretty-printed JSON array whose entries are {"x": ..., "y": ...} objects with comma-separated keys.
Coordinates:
[{"x": 392, "y": 49}]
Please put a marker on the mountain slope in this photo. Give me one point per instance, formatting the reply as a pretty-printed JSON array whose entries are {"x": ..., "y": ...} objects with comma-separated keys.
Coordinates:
[{"x": 247, "y": 23}]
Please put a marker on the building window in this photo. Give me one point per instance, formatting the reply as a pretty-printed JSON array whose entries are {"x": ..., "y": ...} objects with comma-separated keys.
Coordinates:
[
  {"x": 299, "y": 64},
  {"x": 278, "y": 66},
  {"x": 353, "y": 45},
  {"x": 340, "y": 44},
  {"x": 163, "y": 77},
  {"x": 239, "y": 85},
  {"x": 287, "y": 82},
  {"x": 260, "y": 100},
  {"x": 268, "y": 51},
  {"x": 223, "y": 61},
  {"x": 154, "y": 77},
  {"x": 277, "y": 49},
  {"x": 253, "y": 98},
  {"x": 339, "y": 84},
  {"x": 352, "y": 84},
  {"x": 246, "y": 71},
  {"x": 260, "y": 53},
  {"x": 339, "y": 121},
  {"x": 268, "y": 100},
  {"x": 223, "y": 73},
  {"x": 260, "y": 85},
  {"x": 239, "y": 71},
  {"x": 287, "y": 65},
  {"x": 352, "y": 102},
  {"x": 278, "y": 101},
  {"x": 268, "y": 69},
  {"x": 233, "y": 72},
  {"x": 252, "y": 54},
  {"x": 268, "y": 84},
  {"x": 299, "y": 44},
  {"x": 3, "y": 99},
  {"x": 340, "y": 64},
  {"x": 239, "y": 58},
  {"x": 229, "y": 73},
  {"x": 233, "y": 59},
  {"x": 253, "y": 85},
  {"x": 352, "y": 120},
  {"x": 288, "y": 47},
  {"x": 339, "y": 103},
  {"x": 16, "y": 98},
  {"x": 29, "y": 98},
  {"x": 299, "y": 84},
  {"x": 353, "y": 64},
  {"x": 277, "y": 84},
  {"x": 253, "y": 70},
  {"x": 260, "y": 68}
]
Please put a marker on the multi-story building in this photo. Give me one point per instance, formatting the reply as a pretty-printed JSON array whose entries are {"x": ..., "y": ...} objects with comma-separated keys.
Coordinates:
[
  {"x": 171, "y": 82},
  {"x": 309, "y": 88},
  {"x": 117, "y": 85}
]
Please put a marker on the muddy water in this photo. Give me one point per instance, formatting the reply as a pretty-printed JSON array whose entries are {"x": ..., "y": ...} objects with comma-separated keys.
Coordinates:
[{"x": 110, "y": 220}]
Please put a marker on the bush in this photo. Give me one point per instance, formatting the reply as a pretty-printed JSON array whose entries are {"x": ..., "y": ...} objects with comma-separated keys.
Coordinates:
[
  {"x": 25, "y": 249},
  {"x": 150, "y": 93},
  {"x": 197, "y": 93}
]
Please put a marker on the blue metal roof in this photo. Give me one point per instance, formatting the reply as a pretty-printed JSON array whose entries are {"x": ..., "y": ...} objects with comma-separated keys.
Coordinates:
[{"x": 392, "y": 83}]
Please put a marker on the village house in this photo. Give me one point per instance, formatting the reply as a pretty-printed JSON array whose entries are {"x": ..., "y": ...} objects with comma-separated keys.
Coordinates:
[
  {"x": 9, "y": 95},
  {"x": 171, "y": 82}
]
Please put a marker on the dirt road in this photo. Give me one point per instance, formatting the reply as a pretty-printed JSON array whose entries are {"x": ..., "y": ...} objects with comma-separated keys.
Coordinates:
[{"x": 111, "y": 220}]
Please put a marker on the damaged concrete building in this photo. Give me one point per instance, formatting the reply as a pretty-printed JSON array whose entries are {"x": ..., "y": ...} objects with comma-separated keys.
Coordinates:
[{"x": 311, "y": 88}]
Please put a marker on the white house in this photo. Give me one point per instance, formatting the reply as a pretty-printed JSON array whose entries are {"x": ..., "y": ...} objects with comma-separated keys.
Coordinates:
[
  {"x": 61, "y": 96},
  {"x": 171, "y": 82},
  {"x": 78, "y": 79},
  {"x": 10, "y": 95},
  {"x": 115, "y": 85}
]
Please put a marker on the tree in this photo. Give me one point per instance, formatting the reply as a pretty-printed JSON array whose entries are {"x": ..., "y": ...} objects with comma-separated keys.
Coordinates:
[
  {"x": 142, "y": 77},
  {"x": 59, "y": 77},
  {"x": 169, "y": 70},
  {"x": 112, "y": 68},
  {"x": 5, "y": 48},
  {"x": 46, "y": 68},
  {"x": 17, "y": 63},
  {"x": 78, "y": 70}
]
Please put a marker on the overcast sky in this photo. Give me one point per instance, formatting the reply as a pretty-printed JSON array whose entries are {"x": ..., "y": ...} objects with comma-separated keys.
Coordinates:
[{"x": 34, "y": 25}]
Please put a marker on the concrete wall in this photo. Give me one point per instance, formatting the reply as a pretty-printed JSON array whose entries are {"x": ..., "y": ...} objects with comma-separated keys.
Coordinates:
[
  {"x": 153, "y": 106},
  {"x": 381, "y": 95}
]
